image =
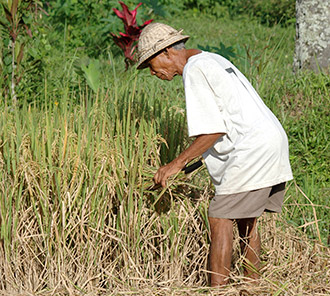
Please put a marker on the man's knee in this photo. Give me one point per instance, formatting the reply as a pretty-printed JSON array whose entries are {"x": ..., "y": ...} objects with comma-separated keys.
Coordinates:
[
  {"x": 219, "y": 224},
  {"x": 221, "y": 228}
]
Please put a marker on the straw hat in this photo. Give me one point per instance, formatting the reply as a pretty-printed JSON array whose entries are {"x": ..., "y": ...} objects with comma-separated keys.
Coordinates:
[{"x": 154, "y": 38}]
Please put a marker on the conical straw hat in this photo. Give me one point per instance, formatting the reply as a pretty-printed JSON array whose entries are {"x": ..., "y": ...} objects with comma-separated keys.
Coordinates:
[{"x": 154, "y": 38}]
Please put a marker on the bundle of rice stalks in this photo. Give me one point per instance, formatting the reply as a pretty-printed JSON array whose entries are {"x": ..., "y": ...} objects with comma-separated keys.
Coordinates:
[{"x": 156, "y": 254}]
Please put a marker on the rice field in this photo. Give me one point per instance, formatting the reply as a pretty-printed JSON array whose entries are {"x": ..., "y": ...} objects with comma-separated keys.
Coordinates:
[{"x": 79, "y": 217}]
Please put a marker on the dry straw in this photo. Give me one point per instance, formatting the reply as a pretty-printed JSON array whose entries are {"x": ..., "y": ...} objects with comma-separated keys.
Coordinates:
[{"x": 103, "y": 260}]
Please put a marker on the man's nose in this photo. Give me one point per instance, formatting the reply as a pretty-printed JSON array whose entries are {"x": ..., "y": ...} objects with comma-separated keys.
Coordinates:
[{"x": 152, "y": 72}]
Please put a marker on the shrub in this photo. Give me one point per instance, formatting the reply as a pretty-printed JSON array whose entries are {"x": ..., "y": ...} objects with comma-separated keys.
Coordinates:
[{"x": 267, "y": 11}]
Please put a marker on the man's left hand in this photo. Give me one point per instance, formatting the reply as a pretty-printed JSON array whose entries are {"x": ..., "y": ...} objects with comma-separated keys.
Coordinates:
[
  {"x": 166, "y": 171},
  {"x": 197, "y": 148}
]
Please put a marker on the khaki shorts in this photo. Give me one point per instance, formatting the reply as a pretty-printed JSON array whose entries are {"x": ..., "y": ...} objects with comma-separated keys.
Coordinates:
[{"x": 249, "y": 204}]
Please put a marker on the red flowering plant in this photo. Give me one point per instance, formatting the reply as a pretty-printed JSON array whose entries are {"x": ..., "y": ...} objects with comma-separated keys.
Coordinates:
[{"x": 128, "y": 41}]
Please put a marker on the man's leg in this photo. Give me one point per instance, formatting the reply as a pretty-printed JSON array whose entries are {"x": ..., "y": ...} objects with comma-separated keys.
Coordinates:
[
  {"x": 250, "y": 245},
  {"x": 221, "y": 250}
]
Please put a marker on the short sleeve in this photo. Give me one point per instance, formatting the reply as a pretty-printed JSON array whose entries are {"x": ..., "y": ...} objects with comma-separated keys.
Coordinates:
[{"x": 204, "y": 105}]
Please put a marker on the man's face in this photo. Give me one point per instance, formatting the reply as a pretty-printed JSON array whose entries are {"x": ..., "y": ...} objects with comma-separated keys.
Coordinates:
[{"x": 163, "y": 66}]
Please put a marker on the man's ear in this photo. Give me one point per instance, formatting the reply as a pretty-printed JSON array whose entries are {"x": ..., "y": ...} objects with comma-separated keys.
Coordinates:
[{"x": 166, "y": 51}]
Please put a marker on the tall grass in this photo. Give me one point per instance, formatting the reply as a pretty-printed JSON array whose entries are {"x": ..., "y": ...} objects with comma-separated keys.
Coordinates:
[{"x": 74, "y": 196}]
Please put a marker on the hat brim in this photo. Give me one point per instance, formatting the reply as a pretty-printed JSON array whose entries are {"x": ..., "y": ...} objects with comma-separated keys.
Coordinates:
[{"x": 157, "y": 48}]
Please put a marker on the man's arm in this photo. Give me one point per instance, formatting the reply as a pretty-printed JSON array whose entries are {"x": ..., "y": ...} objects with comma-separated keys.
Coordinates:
[{"x": 197, "y": 148}]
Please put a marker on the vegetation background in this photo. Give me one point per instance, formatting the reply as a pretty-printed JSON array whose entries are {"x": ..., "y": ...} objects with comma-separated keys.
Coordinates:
[{"x": 80, "y": 139}]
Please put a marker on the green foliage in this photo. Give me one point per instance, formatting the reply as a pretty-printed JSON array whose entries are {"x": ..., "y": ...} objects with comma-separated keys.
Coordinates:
[
  {"x": 309, "y": 126},
  {"x": 302, "y": 104},
  {"x": 19, "y": 21},
  {"x": 83, "y": 24},
  {"x": 272, "y": 12},
  {"x": 90, "y": 68},
  {"x": 268, "y": 12},
  {"x": 226, "y": 52},
  {"x": 157, "y": 8}
]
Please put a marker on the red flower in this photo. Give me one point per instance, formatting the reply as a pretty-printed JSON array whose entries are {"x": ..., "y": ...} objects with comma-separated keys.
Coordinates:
[
  {"x": 128, "y": 41},
  {"x": 128, "y": 17}
]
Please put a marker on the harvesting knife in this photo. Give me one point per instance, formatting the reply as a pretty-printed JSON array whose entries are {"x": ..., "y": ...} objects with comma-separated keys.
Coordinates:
[{"x": 190, "y": 168}]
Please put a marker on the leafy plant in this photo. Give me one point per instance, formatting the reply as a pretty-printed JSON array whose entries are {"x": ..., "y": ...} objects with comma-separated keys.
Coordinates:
[
  {"x": 90, "y": 69},
  {"x": 16, "y": 28},
  {"x": 272, "y": 12},
  {"x": 128, "y": 41},
  {"x": 268, "y": 12},
  {"x": 157, "y": 8},
  {"x": 82, "y": 25},
  {"x": 226, "y": 52}
]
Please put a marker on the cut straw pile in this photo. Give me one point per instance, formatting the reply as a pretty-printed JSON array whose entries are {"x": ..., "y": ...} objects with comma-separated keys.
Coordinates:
[{"x": 91, "y": 261}]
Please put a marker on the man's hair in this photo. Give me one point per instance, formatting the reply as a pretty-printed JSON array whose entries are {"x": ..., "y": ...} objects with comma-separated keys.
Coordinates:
[{"x": 178, "y": 45}]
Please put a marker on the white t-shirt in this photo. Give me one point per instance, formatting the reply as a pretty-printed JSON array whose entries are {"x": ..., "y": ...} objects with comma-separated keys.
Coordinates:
[{"x": 254, "y": 152}]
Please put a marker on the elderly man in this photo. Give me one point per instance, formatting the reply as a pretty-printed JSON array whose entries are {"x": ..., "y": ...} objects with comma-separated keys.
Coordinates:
[{"x": 243, "y": 144}]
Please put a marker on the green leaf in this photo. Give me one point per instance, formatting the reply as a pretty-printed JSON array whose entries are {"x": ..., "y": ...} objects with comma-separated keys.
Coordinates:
[
  {"x": 14, "y": 8},
  {"x": 7, "y": 60},
  {"x": 3, "y": 22},
  {"x": 92, "y": 74},
  {"x": 226, "y": 52},
  {"x": 19, "y": 54},
  {"x": 157, "y": 7},
  {"x": 7, "y": 13},
  {"x": 77, "y": 65}
]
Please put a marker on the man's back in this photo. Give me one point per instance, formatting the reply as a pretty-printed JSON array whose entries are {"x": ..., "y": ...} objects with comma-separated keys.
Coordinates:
[{"x": 254, "y": 152}]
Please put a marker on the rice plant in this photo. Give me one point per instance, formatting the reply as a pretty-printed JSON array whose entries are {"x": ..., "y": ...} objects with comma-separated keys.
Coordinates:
[{"x": 79, "y": 215}]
